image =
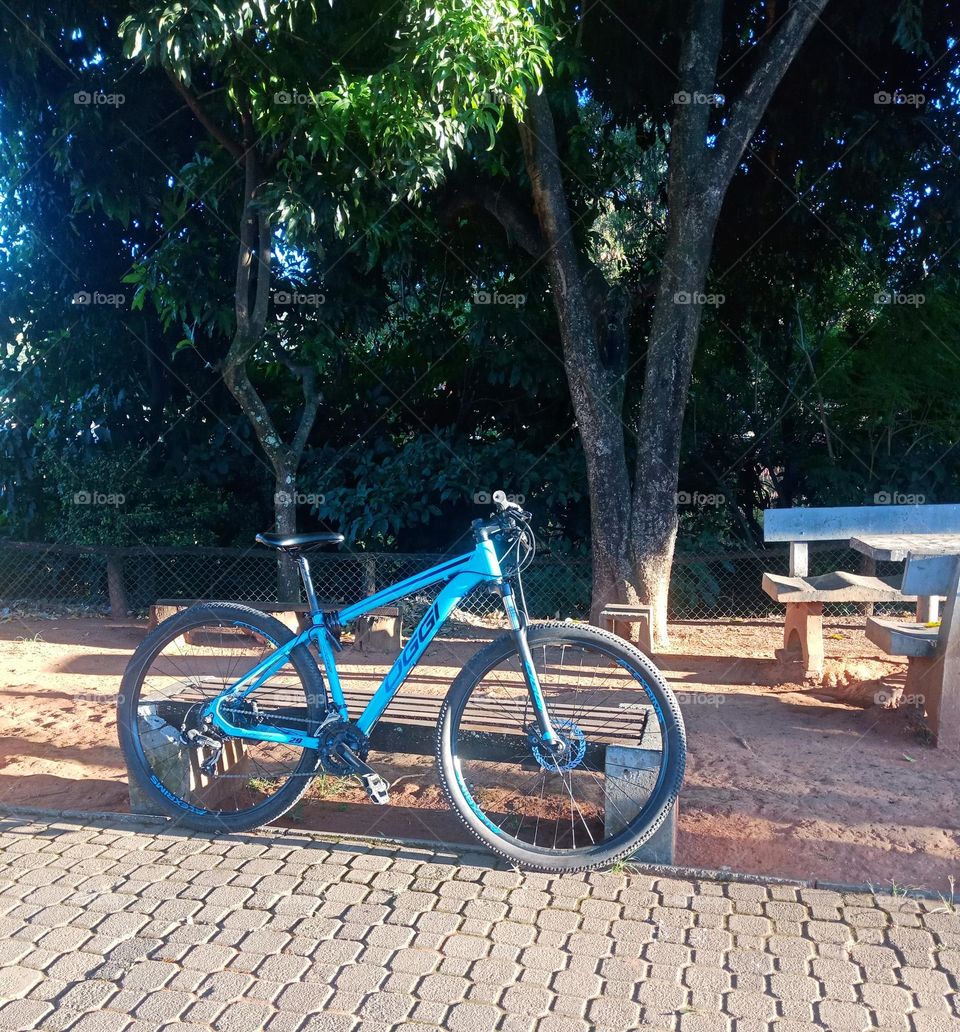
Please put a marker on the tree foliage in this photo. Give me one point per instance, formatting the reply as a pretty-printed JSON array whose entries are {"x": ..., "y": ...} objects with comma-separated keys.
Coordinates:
[{"x": 393, "y": 164}]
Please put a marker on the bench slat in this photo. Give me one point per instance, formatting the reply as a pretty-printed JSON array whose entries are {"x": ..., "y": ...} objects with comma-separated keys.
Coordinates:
[
  {"x": 902, "y": 639},
  {"x": 838, "y": 586},
  {"x": 611, "y": 720}
]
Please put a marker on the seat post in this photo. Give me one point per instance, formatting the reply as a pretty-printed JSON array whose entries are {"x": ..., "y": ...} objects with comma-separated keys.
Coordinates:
[{"x": 308, "y": 582}]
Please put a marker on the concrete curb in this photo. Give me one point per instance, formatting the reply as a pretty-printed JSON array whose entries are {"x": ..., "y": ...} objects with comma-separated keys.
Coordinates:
[{"x": 656, "y": 870}]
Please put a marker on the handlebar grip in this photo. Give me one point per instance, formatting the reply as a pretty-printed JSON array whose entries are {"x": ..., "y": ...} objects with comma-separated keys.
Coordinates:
[{"x": 501, "y": 501}]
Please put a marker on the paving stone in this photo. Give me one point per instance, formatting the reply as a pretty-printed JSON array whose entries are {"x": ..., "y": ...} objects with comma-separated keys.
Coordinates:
[
  {"x": 242, "y": 1017},
  {"x": 472, "y": 1017},
  {"x": 795, "y": 988},
  {"x": 744, "y": 1003},
  {"x": 706, "y": 978},
  {"x": 283, "y": 967},
  {"x": 165, "y": 1005},
  {"x": 293, "y": 934},
  {"x": 103, "y": 1021},
  {"x": 527, "y": 1000},
  {"x": 840, "y": 1017},
  {"x": 886, "y": 997},
  {"x": 613, "y": 1012},
  {"x": 703, "y": 1021},
  {"x": 21, "y": 1015},
  {"x": 87, "y": 995},
  {"x": 18, "y": 981},
  {"x": 562, "y": 1023},
  {"x": 923, "y": 1022}
]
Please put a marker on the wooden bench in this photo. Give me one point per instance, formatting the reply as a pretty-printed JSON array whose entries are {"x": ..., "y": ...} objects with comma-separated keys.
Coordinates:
[
  {"x": 625, "y": 743},
  {"x": 804, "y": 596},
  {"x": 377, "y": 632},
  {"x": 933, "y": 652}
]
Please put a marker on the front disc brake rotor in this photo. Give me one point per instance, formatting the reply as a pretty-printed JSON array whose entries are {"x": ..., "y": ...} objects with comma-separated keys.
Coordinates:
[{"x": 573, "y": 752}]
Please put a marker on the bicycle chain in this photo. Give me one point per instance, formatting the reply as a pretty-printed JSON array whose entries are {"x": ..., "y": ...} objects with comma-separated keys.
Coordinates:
[{"x": 260, "y": 720}]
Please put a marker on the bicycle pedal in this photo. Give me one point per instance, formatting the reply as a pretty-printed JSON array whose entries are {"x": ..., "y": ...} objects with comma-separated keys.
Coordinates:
[{"x": 376, "y": 788}]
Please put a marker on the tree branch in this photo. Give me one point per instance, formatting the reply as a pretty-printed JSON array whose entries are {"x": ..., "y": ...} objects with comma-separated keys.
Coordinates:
[
  {"x": 697, "y": 78},
  {"x": 539, "y": 139},
  {"x": 515, "y": 218},
  {"x": 248, "y": 233},
  {"x": 231, "y": 146},
  {"x": 311, "y": 405},
  {"x": 261, "y": 302},
  {"x": 749, "y": 109}
]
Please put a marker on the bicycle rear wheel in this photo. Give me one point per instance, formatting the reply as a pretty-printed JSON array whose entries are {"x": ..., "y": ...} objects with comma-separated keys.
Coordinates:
[
  {"x": 187, "y": 661},
  {"x": 619, "y": 773}
]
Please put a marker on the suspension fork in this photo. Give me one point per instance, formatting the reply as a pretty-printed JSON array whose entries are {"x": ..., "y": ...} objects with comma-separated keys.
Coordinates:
[{"x": 518, "y": 624}]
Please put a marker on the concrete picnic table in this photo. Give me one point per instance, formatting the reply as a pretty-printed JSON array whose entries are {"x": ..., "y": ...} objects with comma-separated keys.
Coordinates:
[{"x": 894, "y": 548}]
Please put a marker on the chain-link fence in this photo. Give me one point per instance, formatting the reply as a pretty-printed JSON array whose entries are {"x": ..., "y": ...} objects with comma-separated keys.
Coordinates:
[{"x": 128, "y": 580}]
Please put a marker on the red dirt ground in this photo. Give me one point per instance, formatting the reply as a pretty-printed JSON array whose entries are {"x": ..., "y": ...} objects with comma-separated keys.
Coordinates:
[{"x": 784, "y": 778}]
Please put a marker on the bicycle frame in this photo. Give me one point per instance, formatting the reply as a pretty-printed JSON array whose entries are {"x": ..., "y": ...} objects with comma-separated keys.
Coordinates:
[{"x": 462, "y": 575}]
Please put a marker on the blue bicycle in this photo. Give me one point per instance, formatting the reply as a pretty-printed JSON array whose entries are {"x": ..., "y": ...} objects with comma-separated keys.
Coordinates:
[{"x": 559, "y": 745}]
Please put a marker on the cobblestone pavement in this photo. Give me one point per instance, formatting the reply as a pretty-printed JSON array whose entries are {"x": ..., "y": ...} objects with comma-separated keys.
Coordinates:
[{"x": 129, "y": 927}]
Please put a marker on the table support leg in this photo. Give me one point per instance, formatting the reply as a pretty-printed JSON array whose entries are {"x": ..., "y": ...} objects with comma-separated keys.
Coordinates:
[
  {"x": 928, "y": 609},
  {"x": 803, "y": 626}
]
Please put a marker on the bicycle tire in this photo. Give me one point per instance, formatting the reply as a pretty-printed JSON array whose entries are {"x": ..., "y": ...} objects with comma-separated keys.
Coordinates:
[
  {"x": 654, "y": 811},
  {"x": 138, "y": 766}
]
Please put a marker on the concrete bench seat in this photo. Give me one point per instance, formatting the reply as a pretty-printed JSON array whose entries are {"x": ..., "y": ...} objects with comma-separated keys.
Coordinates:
[
  {"x": 903, "y": 639},
  {"x": 838, "y": 586},
  {"x": 632, "y": 623},
  {"x": 932, "y": 652}
]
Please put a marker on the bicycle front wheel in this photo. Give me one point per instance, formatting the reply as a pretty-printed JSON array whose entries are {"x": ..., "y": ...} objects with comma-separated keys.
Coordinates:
[
  {"x": 623, "y": 757},
  {"x": 183, "y": 664}
]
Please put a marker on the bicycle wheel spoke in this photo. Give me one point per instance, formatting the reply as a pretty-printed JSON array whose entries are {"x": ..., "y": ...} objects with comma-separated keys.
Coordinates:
[
  {"x": 200, "y": 659},
  {"x": 572, "y": 801}
]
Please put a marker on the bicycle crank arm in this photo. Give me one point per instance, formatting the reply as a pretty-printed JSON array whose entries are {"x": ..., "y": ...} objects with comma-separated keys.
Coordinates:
[{"x": 374, "y": 785}]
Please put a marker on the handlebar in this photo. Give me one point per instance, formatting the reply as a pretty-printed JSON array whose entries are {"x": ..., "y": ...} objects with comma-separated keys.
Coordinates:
[{"x": 509, "y": 517}]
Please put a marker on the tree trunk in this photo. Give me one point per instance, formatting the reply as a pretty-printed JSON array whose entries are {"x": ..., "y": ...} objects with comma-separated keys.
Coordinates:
[
  {"x": 634, "y": 528},
  {"x": 285, "y": 521},
  {"x": 593, "y": 334},
  {"x": 674, "y": 330},
  {"x": 253, "y": 284},
  {"x": 251, "y": 307}
]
